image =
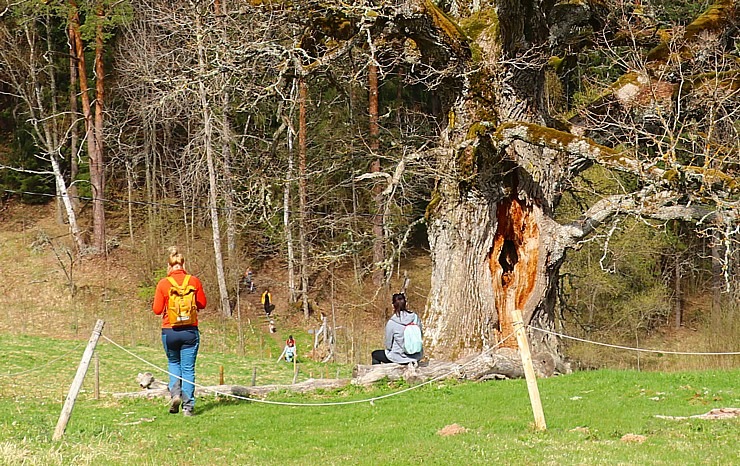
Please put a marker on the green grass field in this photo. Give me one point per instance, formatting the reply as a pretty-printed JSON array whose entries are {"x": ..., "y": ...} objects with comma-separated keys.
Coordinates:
[{"x": 587, "y": 414}]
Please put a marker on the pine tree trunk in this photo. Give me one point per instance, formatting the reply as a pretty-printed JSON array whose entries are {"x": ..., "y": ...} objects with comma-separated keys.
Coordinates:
[{"x": 90, "y": 133}]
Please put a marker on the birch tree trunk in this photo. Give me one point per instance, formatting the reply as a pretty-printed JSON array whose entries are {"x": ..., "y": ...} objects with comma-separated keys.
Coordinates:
[{"x": 31, "y": 75}]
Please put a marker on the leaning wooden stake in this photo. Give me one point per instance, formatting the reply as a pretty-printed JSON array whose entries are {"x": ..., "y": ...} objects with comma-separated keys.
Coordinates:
[
  {"x": 534, "y": 393},
  {"x": 69, "y": 403}
]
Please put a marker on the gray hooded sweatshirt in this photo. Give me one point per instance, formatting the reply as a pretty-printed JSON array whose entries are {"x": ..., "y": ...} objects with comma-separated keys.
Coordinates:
[{"x": 394, "y": 337}]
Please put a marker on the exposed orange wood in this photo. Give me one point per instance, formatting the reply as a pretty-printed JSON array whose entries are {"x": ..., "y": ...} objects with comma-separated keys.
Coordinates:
[{"x": 513, "y": 262}]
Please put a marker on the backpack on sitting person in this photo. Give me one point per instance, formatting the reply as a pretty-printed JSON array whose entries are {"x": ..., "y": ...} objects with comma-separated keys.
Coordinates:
[
  {"x": 181, "y": 307},
  {"x": 412, "y": 340}
]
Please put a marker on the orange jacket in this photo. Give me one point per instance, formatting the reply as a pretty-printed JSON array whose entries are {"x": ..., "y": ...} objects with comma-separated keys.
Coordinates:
[{"x": 161, "y": 295}]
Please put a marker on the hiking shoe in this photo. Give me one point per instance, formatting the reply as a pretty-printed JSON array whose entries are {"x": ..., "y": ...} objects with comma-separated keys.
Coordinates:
[
  {"x": 187, "y": 412},
  {"x": 175, "y": 405}
]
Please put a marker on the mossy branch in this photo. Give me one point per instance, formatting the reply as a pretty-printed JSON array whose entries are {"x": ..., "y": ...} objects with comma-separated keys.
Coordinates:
[
  {"x": 582, "y": 149},
  {"x": 579, "y": 148},
  {"x": 647, "y": 203}
]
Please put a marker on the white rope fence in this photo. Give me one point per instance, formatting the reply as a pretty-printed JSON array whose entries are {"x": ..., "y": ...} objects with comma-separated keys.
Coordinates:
[
  {"x": 630, "y": 348},
  {"x": 327, "y": 403}
]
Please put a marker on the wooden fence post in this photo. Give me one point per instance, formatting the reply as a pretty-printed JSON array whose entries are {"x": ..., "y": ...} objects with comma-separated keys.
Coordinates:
[
  {"x": 74, "y": 389},
  {"x": 534, "y": 393}
]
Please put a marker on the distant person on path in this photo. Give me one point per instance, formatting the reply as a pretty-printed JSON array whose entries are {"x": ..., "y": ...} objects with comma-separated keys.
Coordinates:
[
  {"x": 267, "y": 302},
  {"x": 403, "y": 326},
  {"x": 177, "y": 299},
  {"x": 248, "y": 281}
]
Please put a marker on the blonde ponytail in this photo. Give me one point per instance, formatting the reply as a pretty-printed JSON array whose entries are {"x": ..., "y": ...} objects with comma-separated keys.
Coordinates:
[{"x": 175, "y": 257}]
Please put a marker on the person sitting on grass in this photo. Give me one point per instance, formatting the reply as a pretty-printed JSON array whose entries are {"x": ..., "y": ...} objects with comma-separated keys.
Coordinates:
[{"x": 398, "y": 332}]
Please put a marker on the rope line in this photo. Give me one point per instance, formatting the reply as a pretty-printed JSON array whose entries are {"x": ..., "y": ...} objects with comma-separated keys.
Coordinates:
[
  {"x": 41, "y": 366},
  {"x": 644, "y": 350},
  {"x": 328, "y": 403}
]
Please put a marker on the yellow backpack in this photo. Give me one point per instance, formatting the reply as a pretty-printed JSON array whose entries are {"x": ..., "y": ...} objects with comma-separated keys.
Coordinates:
[{"x": 181, "y": 307}]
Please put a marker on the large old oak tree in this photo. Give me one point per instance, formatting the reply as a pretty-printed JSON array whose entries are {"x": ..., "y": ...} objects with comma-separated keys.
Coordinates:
[{"x": 504, "y": 159}]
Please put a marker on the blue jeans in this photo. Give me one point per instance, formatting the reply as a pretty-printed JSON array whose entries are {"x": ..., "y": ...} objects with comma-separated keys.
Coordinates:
[{"x": 181, "y": 347}]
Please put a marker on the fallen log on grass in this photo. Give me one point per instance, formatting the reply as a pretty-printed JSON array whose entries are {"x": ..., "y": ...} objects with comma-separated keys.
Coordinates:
[
  {"x": 502, "y": 364},
  {"x": 239, "y": 390}
]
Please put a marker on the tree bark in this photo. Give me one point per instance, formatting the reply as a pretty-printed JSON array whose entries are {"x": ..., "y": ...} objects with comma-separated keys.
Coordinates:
[{"x": 494, "y": 243}]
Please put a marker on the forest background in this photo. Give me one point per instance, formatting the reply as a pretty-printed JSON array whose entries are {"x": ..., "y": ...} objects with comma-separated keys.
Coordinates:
[{"x": 276, "y": 137}]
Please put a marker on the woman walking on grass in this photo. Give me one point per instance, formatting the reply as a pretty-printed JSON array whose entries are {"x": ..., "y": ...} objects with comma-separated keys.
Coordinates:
[{"x": 177, "y": 299}]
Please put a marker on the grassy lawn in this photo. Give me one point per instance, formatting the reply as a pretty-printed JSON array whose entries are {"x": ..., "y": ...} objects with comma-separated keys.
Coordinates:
[{"x": 587, "y": 414}]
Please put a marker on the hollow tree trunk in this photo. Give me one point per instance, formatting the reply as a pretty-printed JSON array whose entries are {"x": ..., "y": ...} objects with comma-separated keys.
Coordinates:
[{"x": 494, "y": 244}]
